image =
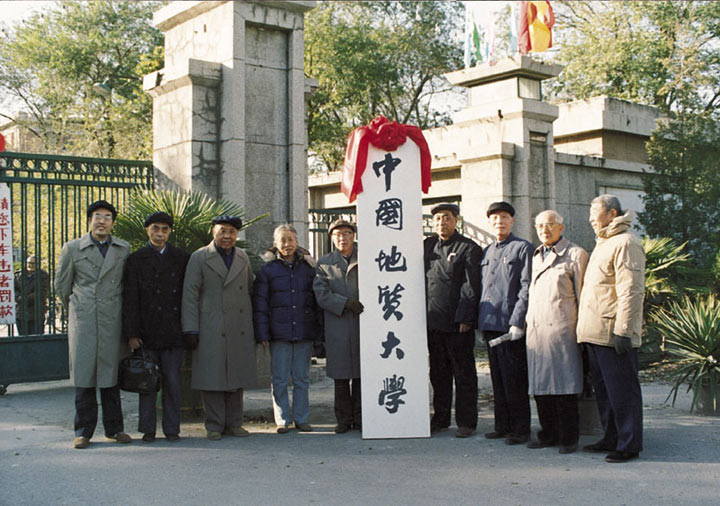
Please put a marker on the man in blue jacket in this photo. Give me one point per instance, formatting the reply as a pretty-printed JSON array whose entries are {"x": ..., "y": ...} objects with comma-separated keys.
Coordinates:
[{"x": 506, "y": 274}]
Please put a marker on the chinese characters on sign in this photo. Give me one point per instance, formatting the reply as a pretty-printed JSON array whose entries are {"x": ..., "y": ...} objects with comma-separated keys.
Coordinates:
[
  {"x": 393, "y": 344},
  {"x": 7, "y": 287}
]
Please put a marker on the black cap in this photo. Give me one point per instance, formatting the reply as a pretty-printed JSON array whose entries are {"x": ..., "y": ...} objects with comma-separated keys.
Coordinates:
[
  {"x": 101, "y": 204},
  {"x": 453, "y": 208},
  {"x": 339, "y": 224},
  {"x": 496, "y": 207},
  {"x": 159, "y": 217},
  {"x": 233, "y": 221}
]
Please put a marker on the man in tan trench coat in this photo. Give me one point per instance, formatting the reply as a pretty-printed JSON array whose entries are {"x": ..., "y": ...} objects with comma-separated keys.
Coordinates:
[
  {"x": 555, "y": 373},
  {"x": 217, "y": 323},
  {"x": 89, "y": 282}
]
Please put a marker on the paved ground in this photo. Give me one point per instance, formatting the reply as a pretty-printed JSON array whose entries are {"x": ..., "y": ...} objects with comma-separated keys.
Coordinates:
[{"x": 680, "y": 464}]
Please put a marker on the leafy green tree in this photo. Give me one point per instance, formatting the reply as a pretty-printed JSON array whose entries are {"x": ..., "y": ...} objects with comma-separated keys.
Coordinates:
[
  {"x": 51, "y": 62},
  {"x": 682, "y": 198},
  {"x": 377, "y": 58},
  {"x": 664, "y": 54},
  {"x": 661, "y": 53}
]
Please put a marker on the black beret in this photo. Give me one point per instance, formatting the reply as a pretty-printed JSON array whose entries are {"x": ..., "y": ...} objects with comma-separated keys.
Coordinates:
[
  {"x": 101, "y": 204},
  {"x": 496, "y": 207},
  {"x": 159, "y": 217},
  {"x": 233, "y": 221},
  {"x": 453, "y": 208},
  {"x": 339, "y": 224}
]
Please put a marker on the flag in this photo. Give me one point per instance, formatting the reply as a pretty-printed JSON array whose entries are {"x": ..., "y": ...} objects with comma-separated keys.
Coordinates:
[
  {"x": 535, "y": 22},
  {"x": 480, "y": 32}
]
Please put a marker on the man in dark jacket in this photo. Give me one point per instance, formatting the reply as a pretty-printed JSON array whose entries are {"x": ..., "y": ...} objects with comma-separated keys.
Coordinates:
[
  {"x": 153, "y": 288},
  {"x": 453, "y": 285},
  {"x": 506, "y": 274}
]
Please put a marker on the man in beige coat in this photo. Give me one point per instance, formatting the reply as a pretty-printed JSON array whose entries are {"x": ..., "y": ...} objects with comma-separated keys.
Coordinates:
[
  {"x": 555, "y": 373},
  {"x": 217, "y": 323},
  {"x": 88, "y": 280},
  {"x": 610, "y": 322}
]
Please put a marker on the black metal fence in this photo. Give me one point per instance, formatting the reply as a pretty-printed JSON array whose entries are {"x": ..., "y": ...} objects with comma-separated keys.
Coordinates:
[{"x": 50, "y": 195}]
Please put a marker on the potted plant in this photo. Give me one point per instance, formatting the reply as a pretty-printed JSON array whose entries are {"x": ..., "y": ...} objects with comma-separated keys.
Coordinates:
[{"x": 691, "y": 332}]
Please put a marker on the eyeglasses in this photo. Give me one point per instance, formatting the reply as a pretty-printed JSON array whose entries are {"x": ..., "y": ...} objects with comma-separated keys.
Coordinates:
[
  {"x": 342, "y": 234},
  {"x": 546, "y": 225}
]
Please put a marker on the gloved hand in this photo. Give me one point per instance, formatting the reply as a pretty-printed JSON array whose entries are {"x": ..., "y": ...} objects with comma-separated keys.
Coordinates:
[
  {"x": 354, "y": 306},
  {"x": 516, "y": 333},
  {"x": 622, "y": 344},
  {"x": 191, "y": 341}
]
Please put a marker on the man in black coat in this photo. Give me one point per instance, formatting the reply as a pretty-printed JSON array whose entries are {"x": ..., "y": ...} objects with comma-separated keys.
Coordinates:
[
  {"x": 152, "y": 297},
  {"x": 452, "y": 263}
]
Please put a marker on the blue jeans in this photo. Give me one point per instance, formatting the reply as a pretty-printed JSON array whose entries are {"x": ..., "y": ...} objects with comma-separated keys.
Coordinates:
[
  {"x": 290, "y": 358},
  {"x": 170, "y": 360}
]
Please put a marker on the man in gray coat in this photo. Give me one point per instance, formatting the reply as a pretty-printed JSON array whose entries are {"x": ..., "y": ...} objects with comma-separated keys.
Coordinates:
[
  {"x": 217, "y": 324},
  {"x": 89, "y": 283},
  {"x": 336, "y": 292}
]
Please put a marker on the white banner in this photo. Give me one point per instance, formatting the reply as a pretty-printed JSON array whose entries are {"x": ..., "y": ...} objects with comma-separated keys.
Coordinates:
[
  {"x": 393, "y": 335},
  {"x": 7, "y": 284}
]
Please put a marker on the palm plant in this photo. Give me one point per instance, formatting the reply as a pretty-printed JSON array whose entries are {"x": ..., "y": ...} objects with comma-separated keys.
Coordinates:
[
  {"x": 691, "y": 331},
  {"x": 191, "y": 211},
  {"x": 663, "y": 258}
]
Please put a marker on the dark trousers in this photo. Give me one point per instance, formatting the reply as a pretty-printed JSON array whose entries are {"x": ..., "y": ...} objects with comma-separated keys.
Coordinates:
[
  {"x": 223, "y": 410},
  {"x": 617, "y": 390},
  {"x": 559, "y": 419},
  {"x": 509, "y": 374},
  {"x": 170, "y": 360},
  {"x": 86, "y": 411},
  {"x": 348, "y": 402},
  {"x": 452, "y": 357}
]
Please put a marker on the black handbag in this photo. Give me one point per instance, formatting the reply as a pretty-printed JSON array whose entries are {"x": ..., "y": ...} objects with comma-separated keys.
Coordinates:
[{"x": 139, "y": 373}]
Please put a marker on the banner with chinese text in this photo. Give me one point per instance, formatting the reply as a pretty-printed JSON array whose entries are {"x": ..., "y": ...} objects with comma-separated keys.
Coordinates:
[
  {"x": 393, "y": 341},
  {"x": 7, "y": 286}
]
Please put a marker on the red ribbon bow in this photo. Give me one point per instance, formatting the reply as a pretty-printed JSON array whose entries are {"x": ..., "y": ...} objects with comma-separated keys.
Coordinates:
[{"x": 388, "y": 136}]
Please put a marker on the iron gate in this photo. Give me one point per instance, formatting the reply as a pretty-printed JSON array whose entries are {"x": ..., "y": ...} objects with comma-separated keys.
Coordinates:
[{"x": 50, "y": 195}]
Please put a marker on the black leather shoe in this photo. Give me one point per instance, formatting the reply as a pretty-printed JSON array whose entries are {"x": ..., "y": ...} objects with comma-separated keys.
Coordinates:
[
  {"x": 173, "y": 438},
  {"x": 495, "y": 435},
  {"x": 618, "y": 457},
  {"x": 148, "y": 437},
  {"x": 565, "y": 449},
  {"x": 464, "y": 432},
  {"x": 534, "y": 445},
  {"x": 342, "y": 428},
  {"x": 598, "y": 447},
  {"x": 437, "y": 428},
  {"x": 516, "y": 440}
]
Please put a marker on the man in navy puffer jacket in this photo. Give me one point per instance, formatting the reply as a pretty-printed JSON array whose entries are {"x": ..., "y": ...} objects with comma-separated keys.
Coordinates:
[{"x": 286, "y": 319}]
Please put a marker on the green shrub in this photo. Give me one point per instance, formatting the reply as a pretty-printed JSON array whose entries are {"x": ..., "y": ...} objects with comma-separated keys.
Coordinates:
[
  {"x": 191, "y": 211},
  {"x": 691, "y": 333}
]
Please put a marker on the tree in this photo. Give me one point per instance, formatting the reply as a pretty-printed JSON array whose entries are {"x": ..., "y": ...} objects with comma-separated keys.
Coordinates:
[
  {"x": 663, "y": 54},
  {"x": 377, "y": 58},
  {"x": 682, "y": 198},
  {"x": 660, "y": 53},
  {"x": 51, "y": 62}
]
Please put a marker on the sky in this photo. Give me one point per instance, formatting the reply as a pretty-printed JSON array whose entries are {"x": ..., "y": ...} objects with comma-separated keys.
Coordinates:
[{"x": 15, "y": 11}]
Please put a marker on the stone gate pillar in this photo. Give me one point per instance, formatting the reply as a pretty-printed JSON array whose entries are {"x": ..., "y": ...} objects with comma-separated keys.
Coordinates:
[
  {"x": 228, "y": 108},
  {"x": 504, "y": 141}
]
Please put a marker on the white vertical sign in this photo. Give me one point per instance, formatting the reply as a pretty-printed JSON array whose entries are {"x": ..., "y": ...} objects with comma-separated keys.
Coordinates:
[
  {"x": 7, "y": 285},
  {"x": 393, "y": 332}
]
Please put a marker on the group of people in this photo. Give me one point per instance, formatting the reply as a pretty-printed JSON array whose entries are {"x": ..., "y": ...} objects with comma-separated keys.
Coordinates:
[{"x": 533, "y": 306}]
